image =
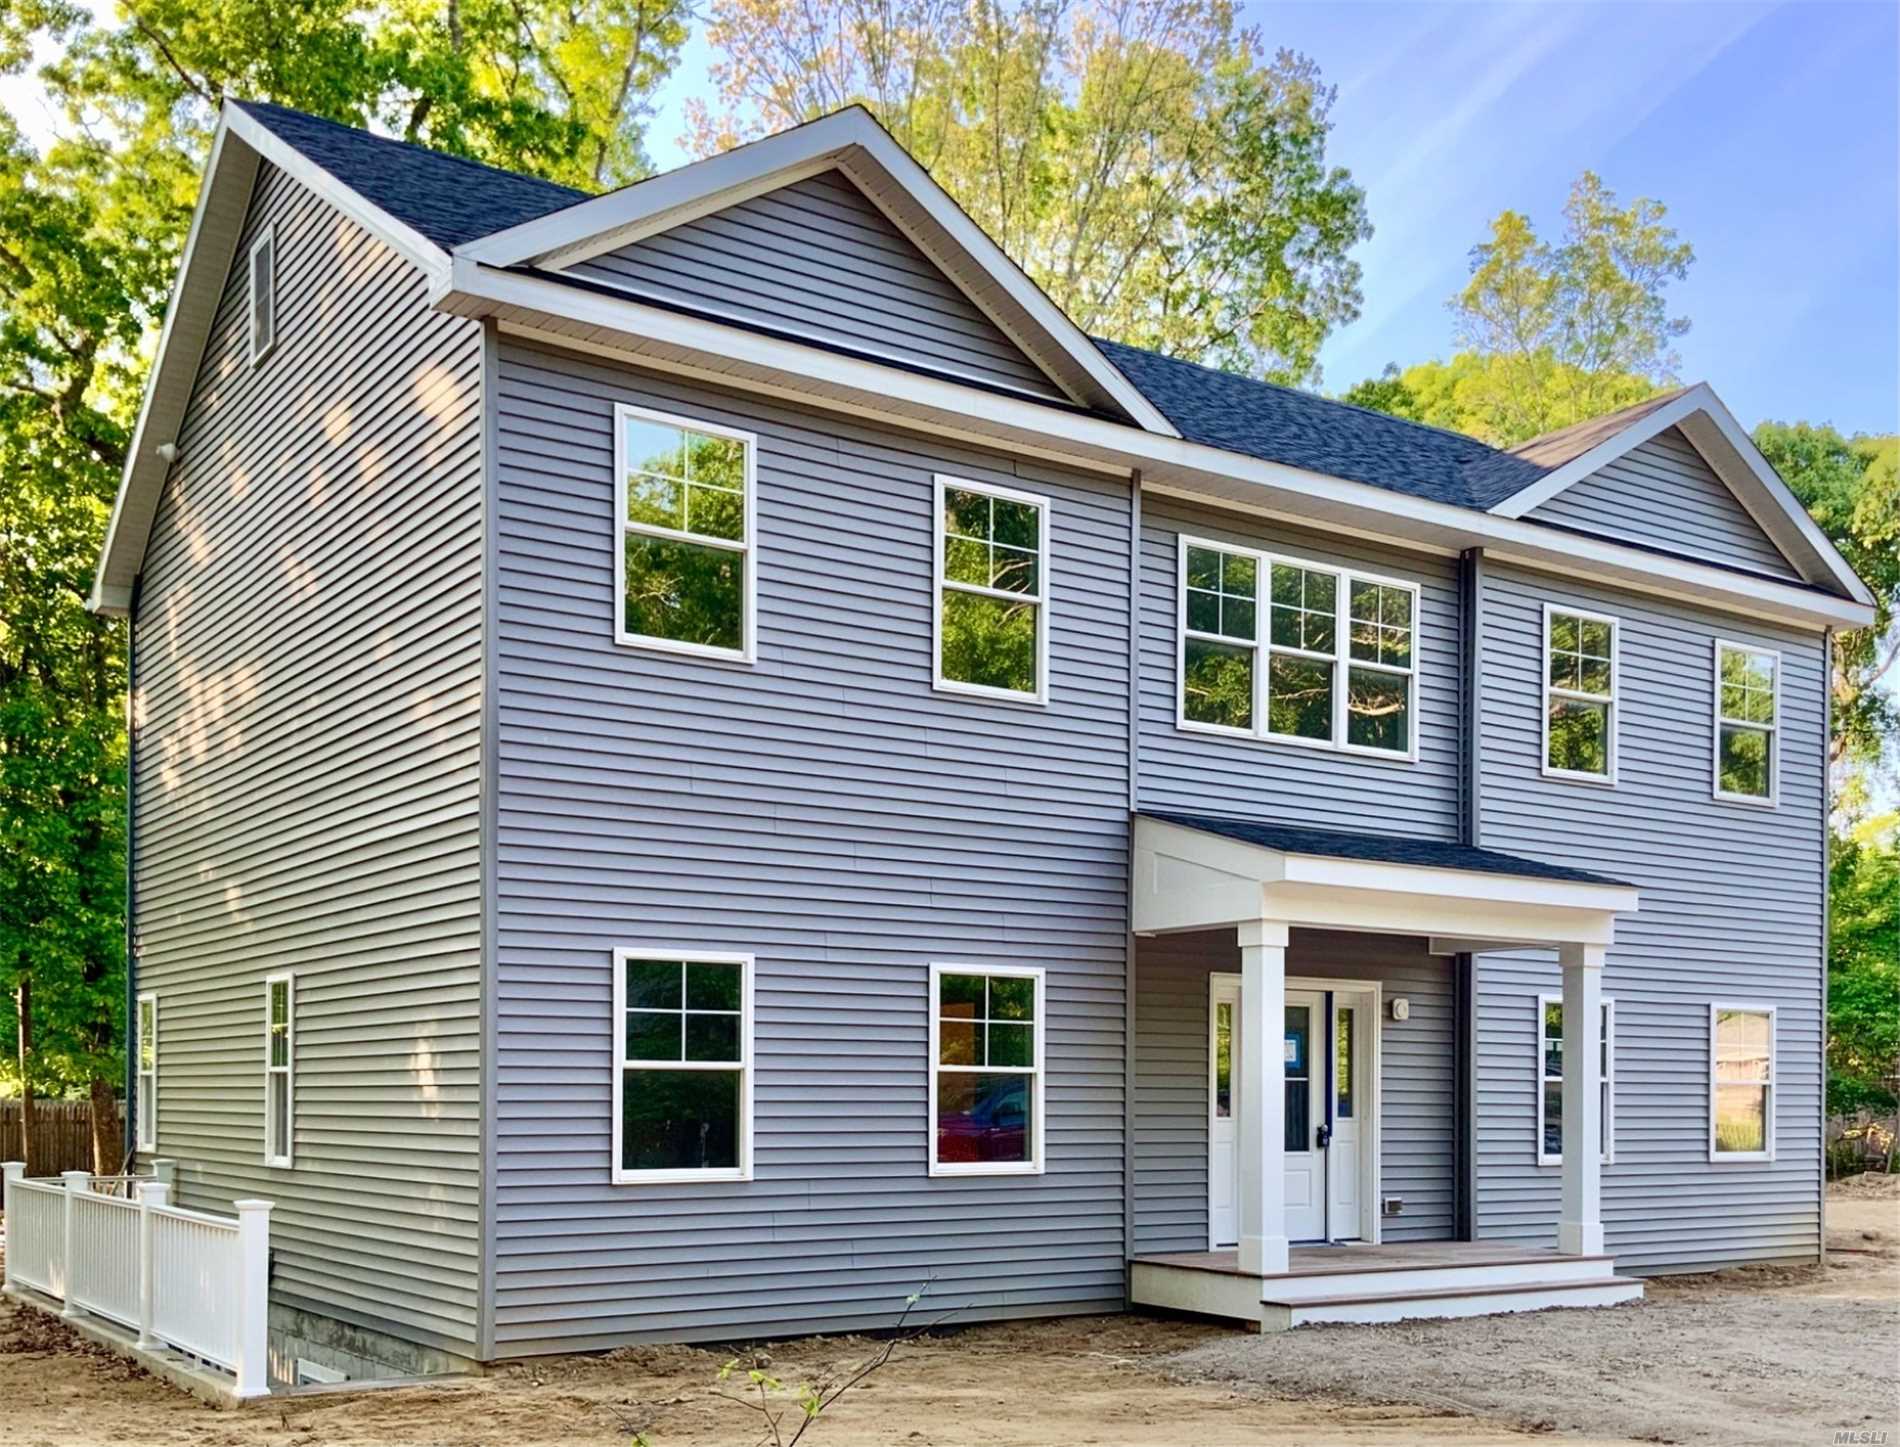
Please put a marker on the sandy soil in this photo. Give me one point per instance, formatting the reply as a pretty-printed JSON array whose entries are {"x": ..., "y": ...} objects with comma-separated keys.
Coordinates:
[
  {"x": 1767, "y": 1355},
  {"x": 1759, "y": 1355}
]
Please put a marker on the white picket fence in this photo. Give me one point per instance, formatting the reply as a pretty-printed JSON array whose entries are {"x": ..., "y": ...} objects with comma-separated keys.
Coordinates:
[{"x": 115, "y": 1247}]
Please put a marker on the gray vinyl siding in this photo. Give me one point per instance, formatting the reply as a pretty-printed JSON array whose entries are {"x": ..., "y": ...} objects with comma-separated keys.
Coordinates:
[
  {"x": 1663, "y": 495},
  {"x": 1416, "y": 1077},
  {"x": 1289, "y": 783},
  {"x": 309, "y": 670},
  {"x": 829, "y": 812},
  {"x": 1731, "y": 910},
  {"x": 816, "y": 260}
]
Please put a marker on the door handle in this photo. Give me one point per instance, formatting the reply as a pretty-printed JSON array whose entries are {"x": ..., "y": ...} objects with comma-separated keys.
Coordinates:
[{"x": 1323, "y": 1137}]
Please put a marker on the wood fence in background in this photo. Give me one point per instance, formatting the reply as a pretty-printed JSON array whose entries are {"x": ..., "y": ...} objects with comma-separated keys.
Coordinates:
[{"x": 62, "y": 1134}]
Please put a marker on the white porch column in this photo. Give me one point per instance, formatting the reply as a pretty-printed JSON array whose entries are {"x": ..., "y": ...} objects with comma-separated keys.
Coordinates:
[
  {"x": 1580, "y": 1227},
  {"x": 253, "y": 1298},
  {"x": 1262, "y": 1070}
]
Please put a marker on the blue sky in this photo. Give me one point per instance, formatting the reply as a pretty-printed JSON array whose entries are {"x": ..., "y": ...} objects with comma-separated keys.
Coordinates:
[{"x": 1772, "y": 132}]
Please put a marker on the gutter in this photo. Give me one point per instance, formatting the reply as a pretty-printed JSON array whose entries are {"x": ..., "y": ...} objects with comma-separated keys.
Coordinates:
[{"x": 1827, "y": 913}]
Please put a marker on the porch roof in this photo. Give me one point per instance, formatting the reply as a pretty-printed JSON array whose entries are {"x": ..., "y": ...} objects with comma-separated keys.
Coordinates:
[{"x": 1205, "y": 871}]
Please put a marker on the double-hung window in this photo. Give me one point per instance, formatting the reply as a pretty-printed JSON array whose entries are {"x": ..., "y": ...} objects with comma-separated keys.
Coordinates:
[
  {"x": 683, "y": 1074},
  {"x": 1741, "y": 1082},
  {"x": 686, "y": 576},
  {"x": 147, "y": 1047},
  {"x": 263, "y": 295},
  {"x": 1297, "y": 652},
  {"x": 1550, "y": 1080},
  {"x": 1747, "y": 723},
  {"x": 280, "y": 1043},
  {"x": 992, "y": 605},
  {"x": 1579, "y": 695},
  {"x": 986, "y": 1088}
]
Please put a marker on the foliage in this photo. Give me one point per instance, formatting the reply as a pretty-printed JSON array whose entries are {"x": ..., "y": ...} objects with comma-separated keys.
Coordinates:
[
  {"x": 1863, "y": 1036},
  {"x": 1165, "y": 184},
  {"x": 91, "y": 232},
  {"x": 1549, "y": 335},
  {"x": 1851, "y": 487}
]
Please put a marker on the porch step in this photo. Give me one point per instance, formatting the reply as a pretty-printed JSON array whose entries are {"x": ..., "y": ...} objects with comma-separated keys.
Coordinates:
[
  {"x": 1279, "y": 1313},
  {"x": 1354, "y": 1276}
]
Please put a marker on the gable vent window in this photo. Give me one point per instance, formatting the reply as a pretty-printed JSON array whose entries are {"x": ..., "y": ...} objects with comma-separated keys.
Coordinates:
[
  {"x": 992, "y": 601},
  {"x": 263, "y": 295},
  {"x": 1747, "y": 715},
  {"x": 1579, "y": 696},
  {"x": 1297, "y": 652},
  {"x": 686, "y": 575},
  {"x": 280, "y": 1041}
]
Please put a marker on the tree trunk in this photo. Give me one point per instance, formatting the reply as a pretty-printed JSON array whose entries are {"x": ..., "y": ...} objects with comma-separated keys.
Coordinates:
[
  {"x": 23, "y": 1003},
  {"x": 106, "y": 1140}
]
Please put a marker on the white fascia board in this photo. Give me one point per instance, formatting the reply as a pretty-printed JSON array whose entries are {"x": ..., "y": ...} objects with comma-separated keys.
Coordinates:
[
  {"x": 737, "y": 357},
  {"x": 238, "y": 144},
  {"x": 1782, "y": 514},
  {"x": 1470, "y": 884},
  {"x": 397, "y": 235},
  {"x": 589, "y": 228},
  {"x": 228, "y": 179}
]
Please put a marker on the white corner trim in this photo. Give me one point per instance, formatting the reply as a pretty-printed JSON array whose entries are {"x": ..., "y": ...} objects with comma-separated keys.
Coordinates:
[
  {"x": 748, "y": 1067},
  {"x": 1773, "y": 729},
  {"x": 1038, "y": 1072}
]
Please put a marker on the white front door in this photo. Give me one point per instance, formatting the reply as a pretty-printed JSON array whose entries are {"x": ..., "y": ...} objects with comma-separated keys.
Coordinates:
[
  {"x": 1223, "y": 1156},
  {"x": 1326, "y": 1189},
  {"x": 1305, "y": 1046}
]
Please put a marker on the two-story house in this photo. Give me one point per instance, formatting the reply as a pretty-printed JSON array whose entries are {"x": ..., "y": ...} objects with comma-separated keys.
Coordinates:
[{"x": 703, "y": 758}]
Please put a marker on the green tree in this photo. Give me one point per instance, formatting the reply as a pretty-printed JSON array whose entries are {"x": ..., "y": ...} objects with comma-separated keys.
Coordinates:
[
  {"x": 1863, "y": 1015},
  {"x": 1548, "y": 335},
  {"x": 1165, "y": 183},
  {"x": 1851, "y": 487},
  {"x": 91, "y": 230}
]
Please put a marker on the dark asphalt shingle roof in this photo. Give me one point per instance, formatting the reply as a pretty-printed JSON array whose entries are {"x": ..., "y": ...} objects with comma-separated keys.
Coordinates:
[
  {"x": 1379, "y": 848},
  {"x": 451, "y": 201},
  {"x": 448, "y": 199}
]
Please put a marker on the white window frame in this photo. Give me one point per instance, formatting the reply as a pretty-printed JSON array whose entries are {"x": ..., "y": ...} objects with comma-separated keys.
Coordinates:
[
  {"x": 1613, "y": 711},
  {"x": 1772, "y": 798},
  {"x": 748, "y": 546},
  {"x": 1046, "y": 513},
  {"x": 1038, "y": 1096},
  {"x": 266, "y": 242},
  {"x": 1607, "y": 1086},
  {"x": 1771, "y": 1087},
  {"x": 1344, "y": 577},
  {"x": 285, "y": 1156},
  {"x": 741, "y": 1172},
  {"x": 145, "y": 1107}
]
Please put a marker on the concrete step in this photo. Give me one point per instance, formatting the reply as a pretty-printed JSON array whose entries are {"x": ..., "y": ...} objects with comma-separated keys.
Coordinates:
[
  {"x": 1350, "y": 1278},
  {"x": 1383, "y": 1305}
]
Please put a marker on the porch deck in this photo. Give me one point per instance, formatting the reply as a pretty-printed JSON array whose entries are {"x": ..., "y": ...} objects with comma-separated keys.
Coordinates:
[{"x": 1366, "y": 1283}]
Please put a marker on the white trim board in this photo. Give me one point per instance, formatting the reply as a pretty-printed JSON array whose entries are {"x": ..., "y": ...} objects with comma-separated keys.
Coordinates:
[{"x": 563, "y": 314}]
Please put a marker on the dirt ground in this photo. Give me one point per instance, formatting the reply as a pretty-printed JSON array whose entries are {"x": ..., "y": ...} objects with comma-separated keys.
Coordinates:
[{"x": 1759, "y": 1355}]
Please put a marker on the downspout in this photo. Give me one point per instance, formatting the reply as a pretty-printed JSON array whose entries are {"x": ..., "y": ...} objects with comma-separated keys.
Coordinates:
[
  {"x": 1134, "y": 802},
  {"x": 129, "y": 1121},
  {"x": 1827, "y": 913},
  {"x": 1470, "y": 832}
]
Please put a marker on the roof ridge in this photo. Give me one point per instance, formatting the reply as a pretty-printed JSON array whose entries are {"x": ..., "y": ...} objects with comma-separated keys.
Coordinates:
[{"x": 255, "y": 106}]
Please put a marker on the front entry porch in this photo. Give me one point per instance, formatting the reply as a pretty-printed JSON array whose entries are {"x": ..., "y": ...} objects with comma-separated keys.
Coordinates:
[
  {"x": 1294, "y": 1168},
  {"x": 1366, "y": 1283}
]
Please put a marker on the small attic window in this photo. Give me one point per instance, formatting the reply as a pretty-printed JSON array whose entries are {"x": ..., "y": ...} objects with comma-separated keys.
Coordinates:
[{"x": 263, "y": 295}]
